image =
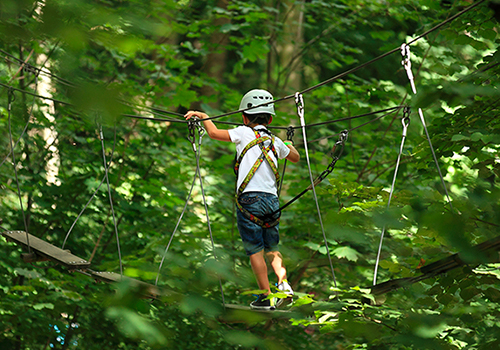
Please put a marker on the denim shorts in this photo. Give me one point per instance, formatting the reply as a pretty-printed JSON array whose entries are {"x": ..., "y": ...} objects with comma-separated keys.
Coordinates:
[{"x": 256, "y": 238}]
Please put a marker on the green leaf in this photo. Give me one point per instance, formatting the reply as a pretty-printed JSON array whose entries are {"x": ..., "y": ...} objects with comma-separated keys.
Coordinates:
[
  {"x": 346, "y": 252},
  {"x": 41, "y": 306}
]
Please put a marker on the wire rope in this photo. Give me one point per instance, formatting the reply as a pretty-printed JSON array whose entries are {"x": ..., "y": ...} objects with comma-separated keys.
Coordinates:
[
  {"x": 197, "y": 155},
  {"x": 93, "y": 194},
  {"x": 26, "y": 126},
  {"x": 405, "y": 52},
  {"x": 111, "y": 199},
  {"x": 201, "y": 132},
  {"x": 300, "y": 111},
  {"x": 10, "y": 100},
  {"x": 406, "y": 122}
]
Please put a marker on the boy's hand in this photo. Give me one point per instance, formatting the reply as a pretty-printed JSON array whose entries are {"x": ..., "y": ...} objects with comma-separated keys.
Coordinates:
[{"x": 199, "y": 115}]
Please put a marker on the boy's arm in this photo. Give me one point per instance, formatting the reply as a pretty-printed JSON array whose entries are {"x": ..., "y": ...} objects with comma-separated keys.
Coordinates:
[
  {"x": 210, "y": 127},
  {"x": 294, "y": 155}
]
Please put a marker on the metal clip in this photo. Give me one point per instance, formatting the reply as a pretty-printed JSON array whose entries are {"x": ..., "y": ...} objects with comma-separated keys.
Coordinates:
[
  {"x": 343, "y": 136},
  {"x": 194, "y": 124},
  {"x": 340, "y": 142}
]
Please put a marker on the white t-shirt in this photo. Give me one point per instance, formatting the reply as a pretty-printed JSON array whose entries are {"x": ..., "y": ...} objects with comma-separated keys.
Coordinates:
[{"x": 263, "y": 180}]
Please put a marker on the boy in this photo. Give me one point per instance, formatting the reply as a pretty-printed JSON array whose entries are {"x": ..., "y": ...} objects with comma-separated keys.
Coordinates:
[{"x": 258, "y": 152}]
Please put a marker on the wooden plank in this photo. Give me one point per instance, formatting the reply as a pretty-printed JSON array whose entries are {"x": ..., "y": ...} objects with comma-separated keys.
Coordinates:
[
  {"x": 45, "y": 249},
  {"x": 150, "y": 290}
]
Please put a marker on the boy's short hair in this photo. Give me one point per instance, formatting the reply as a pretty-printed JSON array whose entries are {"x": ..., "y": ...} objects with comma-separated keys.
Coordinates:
[{"x": 258, "y": 118}]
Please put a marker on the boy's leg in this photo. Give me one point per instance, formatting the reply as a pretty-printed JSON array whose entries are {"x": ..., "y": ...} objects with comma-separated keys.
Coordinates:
[
  {"x": 276, "y": 260},
  {"x": 259, "y": 268}
]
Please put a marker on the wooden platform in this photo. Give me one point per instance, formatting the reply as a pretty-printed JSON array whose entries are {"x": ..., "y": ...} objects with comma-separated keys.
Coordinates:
[{"x": 46, "y": 250}]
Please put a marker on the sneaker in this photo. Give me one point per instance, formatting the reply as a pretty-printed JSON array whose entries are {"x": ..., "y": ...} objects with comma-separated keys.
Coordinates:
[
  {"x": 265, "y": 303},
  {"x": 284, "y": 287}
]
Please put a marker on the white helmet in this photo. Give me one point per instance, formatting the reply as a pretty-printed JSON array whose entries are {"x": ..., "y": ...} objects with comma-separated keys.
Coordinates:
[{"x": 255, "y": 98}]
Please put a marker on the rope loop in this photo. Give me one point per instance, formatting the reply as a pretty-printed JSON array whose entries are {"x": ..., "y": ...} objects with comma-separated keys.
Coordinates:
[
  {"x": 406, "y": 119},
  {"x": 299, "y": 102},
  {"x": 406, "y": 62}
]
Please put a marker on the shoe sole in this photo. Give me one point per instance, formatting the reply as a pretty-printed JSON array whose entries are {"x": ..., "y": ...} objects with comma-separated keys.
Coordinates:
[{"x": 269, "y": 308}]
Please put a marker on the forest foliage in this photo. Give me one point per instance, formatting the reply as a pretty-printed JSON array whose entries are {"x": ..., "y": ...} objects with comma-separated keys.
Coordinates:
[{"x": 82, "y": 83}]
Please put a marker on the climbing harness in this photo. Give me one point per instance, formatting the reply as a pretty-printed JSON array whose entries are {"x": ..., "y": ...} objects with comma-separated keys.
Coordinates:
[
  {"x": 406, "y": 122},
  {"x": 259, "y": 140}
]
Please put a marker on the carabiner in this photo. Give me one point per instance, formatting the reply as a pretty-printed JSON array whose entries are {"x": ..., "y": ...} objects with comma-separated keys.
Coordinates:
[
  {"x": 191, "y": 125},
  {"x": 290, "y": 132}
]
